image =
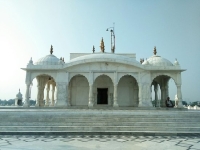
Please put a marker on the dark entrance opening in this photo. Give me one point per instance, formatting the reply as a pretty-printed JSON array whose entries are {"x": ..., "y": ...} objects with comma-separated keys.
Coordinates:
[{"x": 102, "y": 96}]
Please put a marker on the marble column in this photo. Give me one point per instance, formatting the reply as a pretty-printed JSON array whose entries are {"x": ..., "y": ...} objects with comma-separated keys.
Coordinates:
[
  {"x": 52, "y": 94},
  {"x": 91, "y": 102},
  {"x": 135, "y": 96},
  {"x": 166, "y": 91},
  {"x": 47, "y": 96},
  {"x": 140, "y": 95},
  {"x": 162, "y": 102},
  {"x": 62, "y": 94},
  {"x": 27, "y": 96},
  {"x": 156, "y": 94},
  {"x": 42, "y": 80},
  {"x": 115, "y": 102},
  {"x": 179, "y": 95},
  {"x": 69, "y": 95}
]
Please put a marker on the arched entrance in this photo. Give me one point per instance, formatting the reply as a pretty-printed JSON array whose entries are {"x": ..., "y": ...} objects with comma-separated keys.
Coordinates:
[
  {"x": 103, "y": 90},
  {"x": 160, "y": 90},
  {"x": 78, "y": 91},
  {"x": 128, "y": 91}
]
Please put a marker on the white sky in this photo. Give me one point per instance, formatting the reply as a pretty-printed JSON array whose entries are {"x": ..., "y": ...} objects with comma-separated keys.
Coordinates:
[{"x": 29, "y": 27}]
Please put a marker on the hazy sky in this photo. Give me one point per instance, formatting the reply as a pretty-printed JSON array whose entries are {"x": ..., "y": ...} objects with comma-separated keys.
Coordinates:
[{"x": 29, "y": 27}]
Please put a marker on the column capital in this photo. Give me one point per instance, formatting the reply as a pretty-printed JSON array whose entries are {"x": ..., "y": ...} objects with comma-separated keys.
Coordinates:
[{"x": 178, "y": 85}]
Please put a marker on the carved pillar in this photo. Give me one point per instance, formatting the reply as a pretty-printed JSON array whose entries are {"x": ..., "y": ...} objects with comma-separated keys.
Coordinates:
[
  {"x": 135, "y": 96},
  {"x": 111, "y": 99},
  {"x": 156, "y": 94},
  {"x": 47, "y": 96},
  {"x": 27, "y": 95},
  {"x": 69, "y": 95},
  {"x": 115, "y": 102},
  {"x": 163, "y": 95},
  {"x": 62, "y": 94},
  {"x": 179, "y": 95},
  {"x": 41, "y": 85},
  {"x": 53, "y": 85},
  {"x": 91, "y": 102},
  {"x": 140, "y": 95},
  {"x": 145, "y": 95},
  {"x": 166, "y": 91}
]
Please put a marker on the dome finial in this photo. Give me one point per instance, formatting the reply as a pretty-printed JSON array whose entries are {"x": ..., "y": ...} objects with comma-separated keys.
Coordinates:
[
  {"x": 93, "y": 49},
  {"x": 102, "y": 45},
  {"x": 154, "y": 50},
  {"x": 51, "y": 50}
]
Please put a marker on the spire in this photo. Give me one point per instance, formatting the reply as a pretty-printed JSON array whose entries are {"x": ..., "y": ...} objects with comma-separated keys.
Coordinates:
[
  {"x": 30, "y": 61},
  {"x": 154, "y": 50},
  {"x": 102, "y": 46},
  {"x": 51, "y": 50},
  {"x": 93, "y": 49}
]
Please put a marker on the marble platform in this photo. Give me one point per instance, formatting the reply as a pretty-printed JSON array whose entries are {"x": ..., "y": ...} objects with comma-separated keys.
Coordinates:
[{"x": 107, "y": 121}]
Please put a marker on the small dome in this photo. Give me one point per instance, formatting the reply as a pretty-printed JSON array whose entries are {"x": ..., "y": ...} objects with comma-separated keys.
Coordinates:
[
  {"x": 48, "y": 60},
  {"x": 19, "y": 95},
  {"x": 159, "y": 61}
]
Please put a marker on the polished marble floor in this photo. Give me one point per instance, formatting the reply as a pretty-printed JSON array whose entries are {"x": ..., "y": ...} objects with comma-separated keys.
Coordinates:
[{"x": 98, "y": 142}]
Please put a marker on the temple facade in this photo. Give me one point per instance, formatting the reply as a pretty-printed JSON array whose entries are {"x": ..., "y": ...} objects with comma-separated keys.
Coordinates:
[{"x": 102, "y": 79}]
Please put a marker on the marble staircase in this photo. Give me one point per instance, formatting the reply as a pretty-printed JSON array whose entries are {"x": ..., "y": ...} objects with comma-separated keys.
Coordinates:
[{"x": 100, "y": 121}]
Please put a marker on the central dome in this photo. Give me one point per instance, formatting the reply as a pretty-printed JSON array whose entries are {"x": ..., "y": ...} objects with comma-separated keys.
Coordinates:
[
  {"x": 48, "y": 60},
  {"x": 159, "y": 61},
  {"x": 105, "y": 56}
]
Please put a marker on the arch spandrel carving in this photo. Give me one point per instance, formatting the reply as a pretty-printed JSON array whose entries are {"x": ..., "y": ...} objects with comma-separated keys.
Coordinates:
[
  {"x": 35, "y": 74},
  {"x": 110, "y": 75},
  {"x": 171, "y": 75},
  {"x": 73, "y": 74},
  {"x": 121, "y": 75}
]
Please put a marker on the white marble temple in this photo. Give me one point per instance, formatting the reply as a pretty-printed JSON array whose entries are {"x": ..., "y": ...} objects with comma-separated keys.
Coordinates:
[{"x": 102, "y": 78}]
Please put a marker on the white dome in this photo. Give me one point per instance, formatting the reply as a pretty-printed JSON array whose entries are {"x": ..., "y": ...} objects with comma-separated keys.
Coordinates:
[
  {"x": 159, "y": 61},
  {"x": 48, "y": 60},
  {"x": 105, "y": 56}
]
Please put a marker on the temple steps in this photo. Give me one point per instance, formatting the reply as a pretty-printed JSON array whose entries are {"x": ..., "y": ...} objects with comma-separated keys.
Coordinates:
[{"x": 99, "y": 121}]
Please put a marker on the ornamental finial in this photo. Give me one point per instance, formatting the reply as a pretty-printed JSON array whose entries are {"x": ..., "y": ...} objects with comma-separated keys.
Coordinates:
[
  {"x": 154, "y": 50},
  {"x": 51, "y": 50},
  {"x": 102, "y": 46},
  {"x": 93, "y": 49}
]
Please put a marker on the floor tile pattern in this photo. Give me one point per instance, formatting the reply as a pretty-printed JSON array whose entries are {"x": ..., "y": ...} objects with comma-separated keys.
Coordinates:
[{"x": 98, "y": 142}]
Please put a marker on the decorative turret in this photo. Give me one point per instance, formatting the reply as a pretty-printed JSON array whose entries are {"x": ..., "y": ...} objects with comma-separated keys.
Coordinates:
[
  {"x": 51, "y": 50},
  {"x": 154, "y": 50},
  {"x": 18, "y": 99},
  {"x": 93, "y": 49},
  {"x": 30, "y": 62},
  {"x": 141, "y": 60},
  {"x": 176, "y": 63},
  {"x": 102, "y": 46}
]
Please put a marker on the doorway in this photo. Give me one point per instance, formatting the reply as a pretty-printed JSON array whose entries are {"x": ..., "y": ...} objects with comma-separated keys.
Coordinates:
[{"x": 102, "y": 96}]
